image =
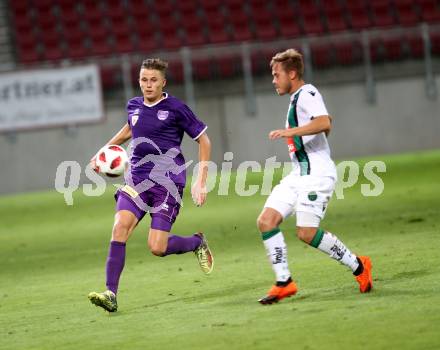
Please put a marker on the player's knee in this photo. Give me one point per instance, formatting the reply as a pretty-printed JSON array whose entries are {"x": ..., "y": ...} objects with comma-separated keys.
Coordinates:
[
  {"x": 121, "y": 231},
  {"x": 156, "y": 250},
  {"x": 266, "y": 223},
  {"x": 306, "y": 234}
]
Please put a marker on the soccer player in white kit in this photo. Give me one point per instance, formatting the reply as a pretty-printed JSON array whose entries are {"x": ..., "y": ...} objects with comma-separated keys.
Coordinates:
[{"x": 307, "y": 190}]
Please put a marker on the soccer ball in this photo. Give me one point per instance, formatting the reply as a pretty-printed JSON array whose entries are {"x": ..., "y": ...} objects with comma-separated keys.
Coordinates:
[{"x": 111, "y": 160}]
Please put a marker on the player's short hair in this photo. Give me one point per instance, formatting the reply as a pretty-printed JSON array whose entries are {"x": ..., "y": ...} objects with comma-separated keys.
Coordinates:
[
  {"x": 155, "y": 63},
  {"x": 290, "y": 60}
]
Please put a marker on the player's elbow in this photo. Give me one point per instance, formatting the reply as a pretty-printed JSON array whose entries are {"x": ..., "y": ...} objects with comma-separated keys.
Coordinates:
[{"x": 326, "y": 124}]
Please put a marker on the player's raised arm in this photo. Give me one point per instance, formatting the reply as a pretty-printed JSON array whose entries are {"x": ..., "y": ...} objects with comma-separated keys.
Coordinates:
[
  {"x": 199, "y": 191},
  {"x": 119, "y": 138},
  {"x": 319, "y": 124}
]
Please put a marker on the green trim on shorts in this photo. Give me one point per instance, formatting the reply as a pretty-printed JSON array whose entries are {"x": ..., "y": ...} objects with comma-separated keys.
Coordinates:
[
  {"x": 270, "y": 234},
  {"x": 318, "y": 238}
]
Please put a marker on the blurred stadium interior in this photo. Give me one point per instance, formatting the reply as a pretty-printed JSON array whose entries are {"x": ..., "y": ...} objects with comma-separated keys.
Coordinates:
[
  {"x": 52, "y": 31},
  {"x": 220, "y": 50}
]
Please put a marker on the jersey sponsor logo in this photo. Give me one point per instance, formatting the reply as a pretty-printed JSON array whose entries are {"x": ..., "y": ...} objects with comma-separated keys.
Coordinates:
[
  {"x": 130, "y": 191},
  {"x": 162, "y": 115},
  {"x": 135, "y": 117}
]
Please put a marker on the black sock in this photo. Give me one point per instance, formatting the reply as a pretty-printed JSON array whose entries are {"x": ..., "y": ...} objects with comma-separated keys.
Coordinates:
[
  {"x": 360, "y": 268},
  {"x": 285, "y": 283}
]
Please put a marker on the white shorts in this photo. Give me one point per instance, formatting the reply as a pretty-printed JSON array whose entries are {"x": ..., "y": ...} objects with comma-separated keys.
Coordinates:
[{"x": 307, "y": 196}]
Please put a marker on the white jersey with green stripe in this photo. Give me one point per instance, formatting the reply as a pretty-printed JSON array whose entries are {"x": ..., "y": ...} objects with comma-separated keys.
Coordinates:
[{"x": 310, "y": 154}]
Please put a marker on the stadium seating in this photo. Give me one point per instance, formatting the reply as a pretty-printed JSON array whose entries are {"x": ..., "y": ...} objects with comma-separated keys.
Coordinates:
[{"x": 47, "y": 30}]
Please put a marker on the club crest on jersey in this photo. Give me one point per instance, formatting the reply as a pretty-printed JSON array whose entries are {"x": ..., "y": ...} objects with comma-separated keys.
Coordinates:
[
  {"x": 162, "y": 115},
  {"x": 135, "y": 117}
]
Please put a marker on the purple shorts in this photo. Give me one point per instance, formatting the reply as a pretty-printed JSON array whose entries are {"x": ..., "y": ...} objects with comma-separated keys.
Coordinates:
[{"x": 162, "y": 206}]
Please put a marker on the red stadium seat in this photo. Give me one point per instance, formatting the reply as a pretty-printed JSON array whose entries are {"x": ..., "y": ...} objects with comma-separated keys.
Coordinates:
[
  {"x": 170, "y": 37},
  {"x": 143, "y": 26},
  {"x": 264, "y": 26},
  {"x": 137, "y": 8},
  {"x": 193, "y": 32},
  {"x": 74, "y": 35},
  {"x": 27, "y": 49},
  {"x": 99, "y": 32},
  {"x": 415, "y": 44},
  {"x": 51, "y": 39},
  {"x": 187, "y": 9},
  {"x": 146, "y": 44},
  {"x": 430, "y": 10},
  {"x": 358, "y": 15},
  {"x": 70, "y": 18},
  {"x": 77, "y": 50},
  {"x": 377, "y": 50},
  {"x": 334, "y": 15},
  {"x": 162, "y": 8},
  {"x": 211, "y": 5},
  {"x": 111, "y": 76},
  {"x": 19, "y": 7},
  {"x": 218, "y": 32},
  {"x": 29, "y": 56},
  {"x": 321, "y": 55},
  {"x": 92, "y": 11},
  {"x": 202, "y": 68},
  {"x": 228, "y": 66},
  {"x": 393, "y": 48},
  {"x": 407, "y": 13},
  {"x": 435, "y": 43},
  {"x": 175, "y": 72},
  {"x": 53, "y": 53},
  {"x": 382, "y": 15},
  {"x": 124, "y": 44},
  {"x": 348, "y": 52},
  {"x": 289, "y": 26},
  {"x": 240, "y": 27},
  {"x": 311, "y": 17},
  {"x": 43, "y": 5},
  {"x": 260, "y": 61},
  {"x": 101, "y": 47}
]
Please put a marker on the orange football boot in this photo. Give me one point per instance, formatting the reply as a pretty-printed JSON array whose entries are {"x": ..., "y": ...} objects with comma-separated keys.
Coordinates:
[
  {"x": 365, "y": 279},
  {"x": 276, "y": 293}
]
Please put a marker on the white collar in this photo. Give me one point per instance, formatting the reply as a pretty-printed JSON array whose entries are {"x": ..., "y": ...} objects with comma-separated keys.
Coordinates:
[
  {"x": 296, "y": 92},
  {"x": 164, "y": 96}
]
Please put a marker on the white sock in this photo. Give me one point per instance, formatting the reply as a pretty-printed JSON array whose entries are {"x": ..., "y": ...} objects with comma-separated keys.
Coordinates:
[
  {"x": 277, "y": 253},
  {"x": 337, "y": 250}
]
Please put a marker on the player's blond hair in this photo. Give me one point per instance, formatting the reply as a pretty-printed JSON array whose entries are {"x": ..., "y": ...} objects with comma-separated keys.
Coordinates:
[
  {"x": 155, "y": 63},
  {"x": 290, "y": 60}
]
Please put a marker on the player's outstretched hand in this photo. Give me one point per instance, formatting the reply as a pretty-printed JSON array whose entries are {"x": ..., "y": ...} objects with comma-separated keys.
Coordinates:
[
  {"x": 276, "y": 134},
  {"x": 199, "y": 192}
]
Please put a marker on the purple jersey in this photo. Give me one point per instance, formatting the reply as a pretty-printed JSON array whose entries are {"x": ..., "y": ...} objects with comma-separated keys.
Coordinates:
[{"x": 157, "y": 132}]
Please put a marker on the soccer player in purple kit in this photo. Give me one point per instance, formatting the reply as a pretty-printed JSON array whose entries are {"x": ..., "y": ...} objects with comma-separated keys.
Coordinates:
[{"x": 156, "y": 177}]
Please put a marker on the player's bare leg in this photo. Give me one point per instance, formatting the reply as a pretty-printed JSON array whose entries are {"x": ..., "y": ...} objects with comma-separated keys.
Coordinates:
[
  {"x": 276, "y": 249},
  {"x": 328, "y": 243}
]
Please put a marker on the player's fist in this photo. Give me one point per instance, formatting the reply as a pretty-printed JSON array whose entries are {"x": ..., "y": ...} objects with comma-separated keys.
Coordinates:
[{"x": 199, "y": 193}]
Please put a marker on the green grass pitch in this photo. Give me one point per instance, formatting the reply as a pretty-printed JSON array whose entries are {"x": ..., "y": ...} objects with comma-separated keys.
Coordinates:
[{"x": 52, "y": 256}]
